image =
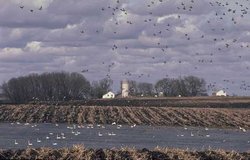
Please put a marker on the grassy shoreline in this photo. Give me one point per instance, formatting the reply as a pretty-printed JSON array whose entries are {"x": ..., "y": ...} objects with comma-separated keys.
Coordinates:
[
  {"x": 158, "y": 116},
  {"x": 80, "y": 152}
]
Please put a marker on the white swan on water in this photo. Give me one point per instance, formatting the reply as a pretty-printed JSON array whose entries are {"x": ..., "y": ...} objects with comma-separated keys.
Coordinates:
[
  {"x": 54, "y": 144},
  {"x": 29, "y": 143},
  {"x": 100, "y": 134},
  {"x": 58, "y": 137},
  {"x": 192, "y": 134}
]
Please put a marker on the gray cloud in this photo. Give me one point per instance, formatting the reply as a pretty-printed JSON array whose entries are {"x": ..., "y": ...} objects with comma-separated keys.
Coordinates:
[{"x": 107, "y": 37}]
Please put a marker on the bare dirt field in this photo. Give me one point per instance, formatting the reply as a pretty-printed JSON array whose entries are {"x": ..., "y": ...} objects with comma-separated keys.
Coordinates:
[{"x": 167, "y": 116}]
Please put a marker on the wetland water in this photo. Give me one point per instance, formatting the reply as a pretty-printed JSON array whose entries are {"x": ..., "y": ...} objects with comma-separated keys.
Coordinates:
[{"x": 108, "y": 136}]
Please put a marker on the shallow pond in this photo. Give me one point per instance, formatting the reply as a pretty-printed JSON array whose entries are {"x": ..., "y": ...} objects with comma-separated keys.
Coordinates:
[{"x": 19, "y": 135}]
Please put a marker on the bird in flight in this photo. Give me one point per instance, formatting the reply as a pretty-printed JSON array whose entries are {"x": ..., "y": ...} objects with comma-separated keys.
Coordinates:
[{"x": 84, "y": 70}]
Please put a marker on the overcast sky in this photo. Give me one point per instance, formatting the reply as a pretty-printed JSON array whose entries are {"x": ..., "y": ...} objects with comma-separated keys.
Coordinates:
[{"x": 135, "y": 39}]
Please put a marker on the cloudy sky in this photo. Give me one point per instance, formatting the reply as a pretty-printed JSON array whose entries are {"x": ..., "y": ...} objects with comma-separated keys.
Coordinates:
[{"x": 135, "y": 39}]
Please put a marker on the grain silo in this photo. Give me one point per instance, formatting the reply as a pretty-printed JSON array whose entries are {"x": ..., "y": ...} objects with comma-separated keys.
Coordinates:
[{"x": 125, "y": 88}]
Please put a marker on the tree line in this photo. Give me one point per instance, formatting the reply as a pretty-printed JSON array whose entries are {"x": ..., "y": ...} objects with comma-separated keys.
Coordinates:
[
  {"x": 64, "y": 86},
  {"x": 185, "y": 86},
  {"x": 55, "y": 86}
]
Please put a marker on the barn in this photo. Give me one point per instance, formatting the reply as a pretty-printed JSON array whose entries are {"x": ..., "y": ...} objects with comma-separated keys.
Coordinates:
[
  {"x": 221, "y": 93},
  {"x": 108, "y": 95}
]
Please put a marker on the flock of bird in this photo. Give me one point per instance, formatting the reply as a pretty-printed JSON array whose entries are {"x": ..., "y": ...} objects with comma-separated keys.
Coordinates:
[
  {"x": 53, "y": 138},
  {"x": 226, "y": 15}
]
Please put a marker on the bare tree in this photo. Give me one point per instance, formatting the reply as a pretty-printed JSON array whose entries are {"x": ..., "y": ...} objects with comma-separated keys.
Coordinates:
[
  {"x": 145, "y": 89},
  {"x": 133, "y": 91},
  {"x": 56, "y": 86},
  {"x": 195, "y": 86},
  {"x": 101, "y": 87},
  {"x": 187, "y": 86}
]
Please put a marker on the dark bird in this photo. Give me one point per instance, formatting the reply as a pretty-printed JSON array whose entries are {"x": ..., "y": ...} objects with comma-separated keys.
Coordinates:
[{"x": 85, "y": 70}]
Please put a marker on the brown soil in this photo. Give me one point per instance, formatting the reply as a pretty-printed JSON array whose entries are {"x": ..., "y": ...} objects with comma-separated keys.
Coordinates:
[
  {"x": 167, "y": 116},
  {"x": 79, "y": 152},
  {"x": 197, "y": 102}
]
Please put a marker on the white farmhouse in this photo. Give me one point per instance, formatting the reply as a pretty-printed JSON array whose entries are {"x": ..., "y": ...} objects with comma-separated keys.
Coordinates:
[
  {"x": 221, "y": 93},
  {"x": 108, "y": 95}
]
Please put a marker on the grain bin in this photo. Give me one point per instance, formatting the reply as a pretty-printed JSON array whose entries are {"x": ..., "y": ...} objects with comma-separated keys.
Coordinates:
[{"x": 125, "y": 88}]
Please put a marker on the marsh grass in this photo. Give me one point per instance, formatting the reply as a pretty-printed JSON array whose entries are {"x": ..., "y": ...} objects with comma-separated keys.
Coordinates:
[{"x": 80, "y": 152}]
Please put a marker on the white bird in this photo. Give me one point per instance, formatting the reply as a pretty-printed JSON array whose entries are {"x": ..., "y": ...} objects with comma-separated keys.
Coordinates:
[
  {"x": 207, "y": 135},
  {"x": 80, "y": 126},
  {"x": 133, "y": 126},
  {"x": 119, "y": 126},
  {"x": 47, "y": 137},
  {"x": 69, "y": 127},
  {"x": 114, "y": 123},
  {"x": 54, "y": 144},
  {"x": 58, "y": 137},
  {"x": 111, "y": 134},
  {"x": 16, "y": 142},
  {"x": 192, "y": 134},
  {"x": 38, "y": 140},
  {"x": 100, "y": 134},
  {"x": 76, "y": 134},
  {"x": 51, "y": 133},
  {"x": 243, "y": 129},
  {"x": 206, "y": 129},
  {"x": 29, "y": 143}
]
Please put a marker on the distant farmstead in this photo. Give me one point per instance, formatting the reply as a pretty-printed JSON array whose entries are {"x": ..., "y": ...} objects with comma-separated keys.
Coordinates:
[
  {"x": 220, "y": 93},
  {"x": 108, "y": 95}
]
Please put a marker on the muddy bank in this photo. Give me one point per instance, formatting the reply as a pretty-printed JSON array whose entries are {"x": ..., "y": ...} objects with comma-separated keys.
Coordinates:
[
  {"x": 205, "y": 117},
  {"x": 79, "y": 152}
]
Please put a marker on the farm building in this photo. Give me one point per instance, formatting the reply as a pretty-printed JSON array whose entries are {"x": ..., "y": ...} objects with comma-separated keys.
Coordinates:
[
  {"x": 220, "y": 93},
  {"x": 108, "y": 95},
  {"x": 125, "y": 88}
]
